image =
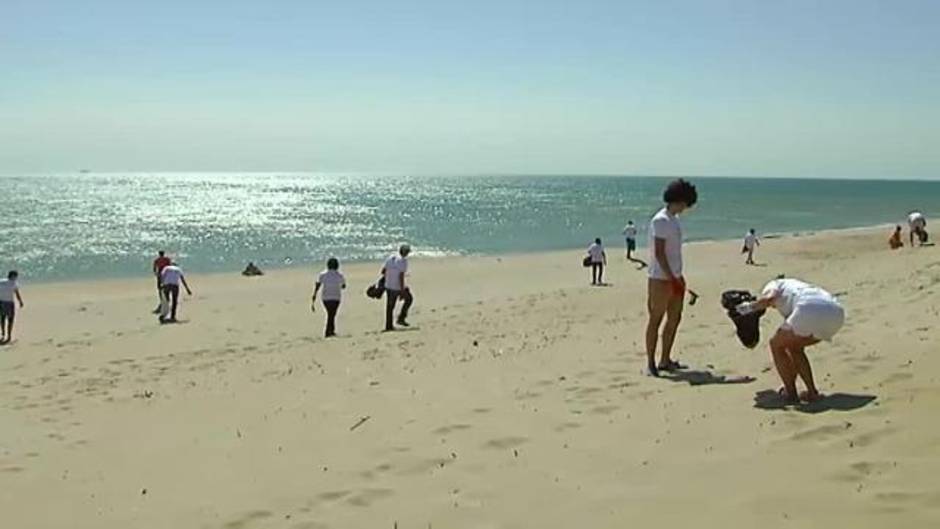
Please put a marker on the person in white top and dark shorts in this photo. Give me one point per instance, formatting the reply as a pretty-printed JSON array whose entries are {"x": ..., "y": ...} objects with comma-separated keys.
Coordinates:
[
  {"x": 598, "y": 259},
  {"x": 811, "y": 314},
  {"x": 918, "y": 226},
  {"x": 751, "y": 242},
  {"x": 666, "y": 286},
  {"x": 9, "y": 296},
  {"x": 170, "y": 279},
  {"x": 332, "y": 282},
  {"x": 395, "y": 288}
]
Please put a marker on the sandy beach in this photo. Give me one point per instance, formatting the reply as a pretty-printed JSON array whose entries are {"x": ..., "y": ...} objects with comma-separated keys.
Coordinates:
[{"x": 516, "y": 400}]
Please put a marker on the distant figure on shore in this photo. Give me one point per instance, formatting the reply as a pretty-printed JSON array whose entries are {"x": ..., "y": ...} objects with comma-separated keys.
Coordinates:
[
  {"x": 751, "y": 242},
  {"x": 161, "y": 262},
  {"x": 251, "y": 270},
  {"x": 895, "y": 241},
  {"x": 598, "y": 259},
  {"x": 810, "y": 315},
  {"x": 171, "y": 277},
  {"x": 9, "y": 296},
  {"x": 666, "y": 284},
  {"x": 918, "y": 226},
  {"x": 395, "y": 288},
  {"x": 333, "y": 283},
  {"x": 629, "y": 236}
]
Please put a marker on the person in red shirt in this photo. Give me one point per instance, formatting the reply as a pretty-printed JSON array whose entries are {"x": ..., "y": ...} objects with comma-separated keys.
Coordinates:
[{"x": 161, "y": 262}]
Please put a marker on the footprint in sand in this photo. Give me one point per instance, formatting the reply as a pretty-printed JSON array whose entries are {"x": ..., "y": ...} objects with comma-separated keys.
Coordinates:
[
  {"x": 247, "y": 519},
  {"x": 503, "y": 443},
  {"x": 444, "y": 430},
  {"x": 367, "y": 497}
]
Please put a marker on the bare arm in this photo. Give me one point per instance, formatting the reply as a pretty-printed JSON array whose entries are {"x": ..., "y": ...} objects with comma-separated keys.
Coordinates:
[
  {"x": 19, "y": 297},
  {"x": 660, "y": 253},
  {"x": 316, "y": 288},
  {"x": 186, "y": 285}
]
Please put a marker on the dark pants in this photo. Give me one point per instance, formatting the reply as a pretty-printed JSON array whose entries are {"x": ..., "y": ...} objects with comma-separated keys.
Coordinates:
[
  {"x": 172, "y": 295},
  {"x": 331, "y": 306},
  {"x": 597, "y": 273},
  {"x": 7, "y": 314},
  {"x": 391, "y": 298}
]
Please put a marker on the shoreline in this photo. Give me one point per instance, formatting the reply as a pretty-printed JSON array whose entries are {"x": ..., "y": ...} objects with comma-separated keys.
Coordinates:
[{"x": 641, "y": 248}]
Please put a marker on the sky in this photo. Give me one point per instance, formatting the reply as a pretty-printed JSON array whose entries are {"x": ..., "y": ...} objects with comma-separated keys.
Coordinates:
[{"x": 792, "y": 88}]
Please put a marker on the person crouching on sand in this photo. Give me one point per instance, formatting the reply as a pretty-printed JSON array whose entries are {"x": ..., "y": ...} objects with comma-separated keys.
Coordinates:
[
  {"x": 333, "y": 283},
  {"x": 811, "y": 315},
  {"x": 170, "y": 278},
  {"x": 895, "y": 241},
  {"x": 918, "y": 226},
  {"x": 598, "y": 259},
  {"x": 666, "y": 285}
]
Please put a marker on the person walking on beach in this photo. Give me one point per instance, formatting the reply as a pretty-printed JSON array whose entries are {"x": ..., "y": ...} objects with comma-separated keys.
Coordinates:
[
  {"x": 666, "y": 284},
  {"x": 751, "y": 242},
  {"x": 9, "y": 296},
  {"x": 598, "y": 259},
  {"x": 629, "y": 238},
  {"x": 811, "y": 314},
  {"x": 918, "y": 226},
  {"x": 161, "y": 262},
  {"x": 395, "y": 288},
  {"x": 333, "y": 283},
  {"x": 170, "y": 278}
]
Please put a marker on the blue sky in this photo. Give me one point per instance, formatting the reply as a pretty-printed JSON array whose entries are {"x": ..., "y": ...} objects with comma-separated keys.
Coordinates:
[{"x": 789, "y": 88}]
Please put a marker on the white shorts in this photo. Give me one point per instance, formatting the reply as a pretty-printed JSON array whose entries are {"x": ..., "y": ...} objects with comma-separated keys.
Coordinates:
[{"x": 817, "y": 318}]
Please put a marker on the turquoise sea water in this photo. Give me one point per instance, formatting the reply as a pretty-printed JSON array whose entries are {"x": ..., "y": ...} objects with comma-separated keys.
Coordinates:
[{"x": 79, "y": 226}]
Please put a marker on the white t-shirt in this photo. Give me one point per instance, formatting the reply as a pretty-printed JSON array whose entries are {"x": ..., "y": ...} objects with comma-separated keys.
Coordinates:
[
  {"x": 630, "y": 231},
  {"x": 916, "y": 220},
  {"x": 788, "y": 293},
  {"x": 171, "y": 275},
  {"x": 666, "y": 226},
  {"x": 395, "y": 265},
  {"x": 7, "y": 290},
  {"x": 596, "y": 251},
  {"x": 750, "y": 241},
  {"x": 332, "y": 283}
]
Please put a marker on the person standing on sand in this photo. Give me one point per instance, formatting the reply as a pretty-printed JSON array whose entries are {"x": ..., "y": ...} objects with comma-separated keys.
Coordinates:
[
  {"x": 666, "y": 285},
  {"x": 598, "y": 259},
  {"x": 918, "y": 226},
  {"x": 333, "y": 283},
  {"x": 811, "y": 314},
  {"x": 9, "y": 294},
  {"x": 751, "y": 242},
  {"x": 395, "y": 288},
  {"x": 161, "y": 262},
  {"x": 171, "y": 277},
  {"x": 629, "y": 237}
]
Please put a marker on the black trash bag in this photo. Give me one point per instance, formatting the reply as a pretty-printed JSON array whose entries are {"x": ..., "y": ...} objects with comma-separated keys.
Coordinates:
[
  {"x": 748, "y": 325},
  {"x": 377, "y": 289},
  {"x": 586, "y": 263}
]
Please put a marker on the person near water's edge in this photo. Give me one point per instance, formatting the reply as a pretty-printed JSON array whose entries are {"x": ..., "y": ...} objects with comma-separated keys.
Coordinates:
[
  {"x": 811, "y": 314},
  {"x": 751, "y": 242},
  {"x": 333, "y": 283},
  {"x": 170, "y": 278},
  {"x": 598, "y": 259},
  {"x": 666, "y": 285},
  {"x": 395, "y": 288},
  {"x": 629, "y": 239},
  {"x": 161, "y": 262},
  {"x": 918, "y": 227},
  {"x": 9, "y": 296}
]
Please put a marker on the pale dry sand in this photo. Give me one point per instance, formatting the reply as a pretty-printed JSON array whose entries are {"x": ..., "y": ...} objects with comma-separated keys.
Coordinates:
[{"x": 517, "y": 401}]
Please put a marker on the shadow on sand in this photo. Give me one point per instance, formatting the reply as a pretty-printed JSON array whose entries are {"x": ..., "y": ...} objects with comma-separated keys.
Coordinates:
[
  {"x": 771, "y": 400},
  {"x": 704, "y": 378}
]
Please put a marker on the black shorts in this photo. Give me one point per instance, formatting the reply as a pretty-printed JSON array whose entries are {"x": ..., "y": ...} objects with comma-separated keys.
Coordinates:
[
  {"x": 631, "y": 244},
  {"x": 7, "y": 309}
]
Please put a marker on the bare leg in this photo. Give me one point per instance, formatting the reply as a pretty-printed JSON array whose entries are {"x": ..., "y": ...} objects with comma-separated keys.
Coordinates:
[
  {"x": 802, "y": 367},
  {"x": 784, "y": 364},
  {"x": 656, "y": 305},
  {"x": 673, "y": 318}
]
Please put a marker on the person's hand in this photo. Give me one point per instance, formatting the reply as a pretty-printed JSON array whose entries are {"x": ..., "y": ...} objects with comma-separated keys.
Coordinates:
[
  {"x": 313, "y": 304},
  {"x": 678, "y": 286},
  {"x": 747, "y": 307},
  {"x": 21, "y": 303},
  {"x": 189, "y": 292}
]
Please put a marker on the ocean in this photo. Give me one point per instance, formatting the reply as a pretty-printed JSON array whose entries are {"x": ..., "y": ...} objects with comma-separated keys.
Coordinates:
[{"x": 79, "y": 226}]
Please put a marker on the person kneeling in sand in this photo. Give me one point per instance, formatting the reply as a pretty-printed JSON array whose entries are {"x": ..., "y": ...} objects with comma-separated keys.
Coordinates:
[
  {"x": 251, "y": 270},
  {"x": 918, "y": 226},
  {"x": 895, "y": 241},
  {"x": 811, "y": 315}
]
